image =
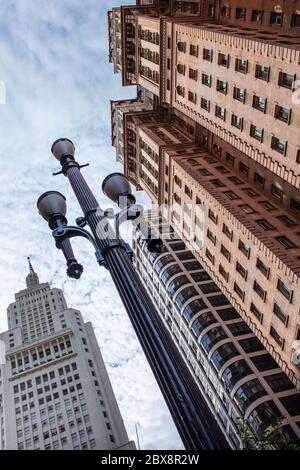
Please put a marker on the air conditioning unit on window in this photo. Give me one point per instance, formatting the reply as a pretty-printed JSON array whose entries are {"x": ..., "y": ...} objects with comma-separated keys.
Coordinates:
[{"x": 295, "y": 359}]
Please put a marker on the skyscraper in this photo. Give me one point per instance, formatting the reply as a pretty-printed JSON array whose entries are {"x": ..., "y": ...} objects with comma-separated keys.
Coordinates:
[
  {"x": 238, "y": 378},
  {"x": 223, "y": 133},
  {"x": 54, "y": 389}
]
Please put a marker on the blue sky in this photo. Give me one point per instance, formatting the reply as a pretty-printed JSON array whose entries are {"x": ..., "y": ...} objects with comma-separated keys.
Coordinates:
[{"x": 54, "y": 63}]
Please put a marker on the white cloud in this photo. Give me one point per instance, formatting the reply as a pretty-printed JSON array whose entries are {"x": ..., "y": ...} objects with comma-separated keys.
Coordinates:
[{"x": 53, "y": 61}]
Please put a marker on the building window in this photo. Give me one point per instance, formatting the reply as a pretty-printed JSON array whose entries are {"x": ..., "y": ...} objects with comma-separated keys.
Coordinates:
[
  {"x": 286, "y": 242},
  {"x": 180, "y": 91},
  {"x": 220, "y": 112},
  {"x": 192, "y": 97},
  {"x": 295, "y": 205},
  {"x": 181, "y": 69},
  {"x": 244, "y": 249},
  {"x": 284, "y": 290},
  {"x": 231, "y": 195},
  {"x": 287, "y": 221},
  {"x": 223, "y": 273},
  {"x": 256, "y": 312},
  {"x": 218, "y": 183},
  {"x": 279, "y": 340},
  {"x": 188, "y": 191},
  {"x": 223, "y": 59},
  {"x": 248, "y": 209},
  {"x": 205, "y": 104},
  {"x": 181, "y": 46},
  {"x": 239, "y": 291},
  {"x": 194, "y": 50},
  {"x": 262, "y": 72},
  {"x": 239, "y": 94},
  {"x": 237, "y": 122},
  {"x": 259, "y": 180},
  {"x": 276, "y": 18},
  {"x": 280, "y": 314},
  {"x": 241, "y": 65},
  {"x": 263, "y": 268},
  {"x": 286, "y": 80},
  {"x": 276, "y": 192},
  {"x": 283, "y": 114},
  {"x": 211, "y": 236},
  {"x": 267, "y": 205},
  {"x": 240, "y": 13},
  {"x": 193, "y": 74},
  {"x": 177, "y": 199},
  {"x": 260, "y": 291},
  {"x": 244, "y": 169},
  {"x": 225, "y": 253},
  {"x": 208, "y": 54},
  {"x": 206, "y": 80},
  {"x": 210, "y": 256},
  {"x": 222, "y": 86},
  {"x": 295, "y": 21},
  {"x": 256, "y": 132},
  {"x": 177, "y": 181},
  {"x": 259, "y": 103},
  {"x": 230, "y": 159},
  {"x": 241, "y": 270},
  {"x": 257, "y": 16},
  {"x": 212, "y": 216},
  {"x": 227, "y": 231},
  {"x": 279, "y": 145},
  {"x": 265, "y": 224}
]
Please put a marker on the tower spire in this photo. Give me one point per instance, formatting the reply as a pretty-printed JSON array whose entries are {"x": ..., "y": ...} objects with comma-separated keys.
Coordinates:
[
  {"x": 32, "y": 278},
  {"x": 31, "y": 270}
]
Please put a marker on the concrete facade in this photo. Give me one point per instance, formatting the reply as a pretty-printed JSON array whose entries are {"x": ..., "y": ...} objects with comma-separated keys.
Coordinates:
[
  {"x": 224, "y": 132},
  {"x": 54, "y": 389}
]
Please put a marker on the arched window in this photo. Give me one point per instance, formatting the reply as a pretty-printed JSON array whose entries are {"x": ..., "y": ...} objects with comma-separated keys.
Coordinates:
[
  {"x": 185, "y": 295},
  {"x": 235, "y": 372},
  {"x": 177, "y": 283},
  {"x": 181, "y": 46},
  {"x": 248, "y": 393},
  {"x": 170, "y": 272},
  {"x": 181, "y": 69},
  {"x": 166, "y": 259},
  {"x": 204, "y": 320},
  {"x": 194, "y": 307},
  {"x": 212, "y": 337},
  {"x": 180, "y": 90}
]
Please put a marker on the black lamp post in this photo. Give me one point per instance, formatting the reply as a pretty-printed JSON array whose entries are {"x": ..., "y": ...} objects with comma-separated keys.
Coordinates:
[{"x": 193, "y": 419}]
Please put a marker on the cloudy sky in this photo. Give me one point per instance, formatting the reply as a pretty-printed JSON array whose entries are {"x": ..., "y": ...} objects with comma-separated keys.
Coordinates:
[{"x": 54, "y": 64}]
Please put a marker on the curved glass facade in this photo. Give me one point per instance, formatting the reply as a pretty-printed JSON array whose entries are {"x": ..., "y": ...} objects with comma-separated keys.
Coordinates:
[
  {"x": 229, "y": 313},
  {"x": 248, "y": 393},
  {"x": 209, "y": 288},
  {"x": 170, "y": 272},
  {"x": 203, "y": 321},
  {"x": 212, "y": 337},
  {"x": 192, "y": 308},
  {"x": 162, "y": 262},
  {"x": 178, "y": 282},
  {"x": 201, "y": 276},
  {"x": 263, "y": 416},
  {"x": 223, "y": 354},
  {"x": 183, "y": 296},
  {"x": 239, "y": 328},
  {"x": 235, "y": 372}
]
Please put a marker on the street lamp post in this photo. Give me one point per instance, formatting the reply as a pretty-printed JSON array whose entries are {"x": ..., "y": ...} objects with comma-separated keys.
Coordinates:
[{"x": 193, "y": 419}]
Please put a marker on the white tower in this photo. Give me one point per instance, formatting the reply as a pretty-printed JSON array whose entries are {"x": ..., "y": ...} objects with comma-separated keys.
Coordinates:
[{"x": 54, "y": 389}]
